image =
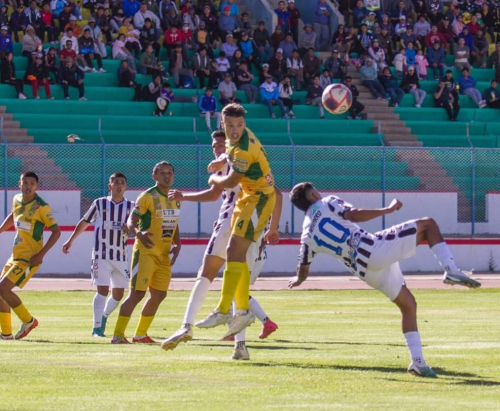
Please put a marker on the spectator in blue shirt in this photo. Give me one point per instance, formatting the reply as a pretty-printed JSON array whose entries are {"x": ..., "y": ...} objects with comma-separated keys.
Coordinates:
[
  {"x": 233, "y": 7},
  {"x": 322, "y": 14},
  {"x": 288, "y": 46},
  {"x": 468, "y": 87},
  {"x": 6, "y": 45},
  {"x": 359, "y": 13},
  {"x": 283, "y": 17},
  {"x": 130, "y": 7},
  {"x": 269, "y": 93},
  {"x": 468, "y": 37},
  {"x": 207, "y": 104}
]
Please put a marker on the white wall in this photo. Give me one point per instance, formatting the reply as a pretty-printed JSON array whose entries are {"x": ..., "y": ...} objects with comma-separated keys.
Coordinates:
[{"x": 493, "y": 212}]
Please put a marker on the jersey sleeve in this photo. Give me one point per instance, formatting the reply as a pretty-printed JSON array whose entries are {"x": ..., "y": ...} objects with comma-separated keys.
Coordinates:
[
  {"x": 46, "y": 217},
  {"x": 338, "y": 206},
  {"x": 92, "y": 213},
  {"x": 142, "y": 205},
  {"x": 306, "y": 253},
  {"x": 241, "y": 161}
]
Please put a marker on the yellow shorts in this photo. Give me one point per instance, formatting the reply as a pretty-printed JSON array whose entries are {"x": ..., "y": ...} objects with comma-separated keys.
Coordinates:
[
  {"x": 251, "y": 214},
  {"x": 150, "y": 271},
  {"x": 19, "y": 272}
]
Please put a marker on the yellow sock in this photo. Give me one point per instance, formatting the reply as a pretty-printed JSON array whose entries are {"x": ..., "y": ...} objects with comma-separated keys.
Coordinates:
[
  {"x": 121, "y": 326},
  {"x": 242, "y": 294},
  {"x": 23, "y": 313},
  {"x": 143, "y": 326},
  {"x": 6, "y": 323},
  {"x": 230, "y": 281}
]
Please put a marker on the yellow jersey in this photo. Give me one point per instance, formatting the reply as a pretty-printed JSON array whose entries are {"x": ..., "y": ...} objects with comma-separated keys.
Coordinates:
[
  {"x": 30, "y": 219},
  {"x": 159, "y": 216},
  {"x": 248, "y": 157}
]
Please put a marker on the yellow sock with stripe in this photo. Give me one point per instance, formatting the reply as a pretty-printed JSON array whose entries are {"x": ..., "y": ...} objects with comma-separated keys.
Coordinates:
[
  {"x": 242, "y": 294},
  {"x": 6, "y": 323},
  {"x": 121, "y": 326},
  {"x": 230, "y": 281},
  {"x": 143, "y": 326},
  {"x": 23, "y": 313}
]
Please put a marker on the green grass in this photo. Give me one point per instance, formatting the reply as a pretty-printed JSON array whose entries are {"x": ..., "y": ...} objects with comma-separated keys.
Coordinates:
[{"x": 333, "y": 350}]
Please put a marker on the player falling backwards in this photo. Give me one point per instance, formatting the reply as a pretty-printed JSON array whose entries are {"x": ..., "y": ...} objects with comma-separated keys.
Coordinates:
[
  {"x": 110, "y": 264},
  {"x": 254, "y": 206},
  {"x": 154, "y": 222},
  {"x": 215, "y": 257},
  {"x": 330, "y": 227},
  {"x": 30, "y": 215}
]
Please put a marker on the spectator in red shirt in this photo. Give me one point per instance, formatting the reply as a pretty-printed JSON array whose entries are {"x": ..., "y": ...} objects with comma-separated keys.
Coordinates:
[
  {"x": 474, "y": 26},
  {"x": 434, "y": 36},
  {"x": 69, "y": 52},
  {"x": 47, "y": 26},
  {"x": 172, "y": 37}
]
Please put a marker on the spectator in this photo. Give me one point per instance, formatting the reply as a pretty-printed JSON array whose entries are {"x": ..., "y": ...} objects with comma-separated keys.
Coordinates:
[
  {"x": 277, "y": 66},
  {"x": 244, "y": 81},
  {"x": 140, "y": 19},
  {"x": 294, "y": 20},
  {"x": 18, "y": 21},
  {"x": 34, "y": 17},
  {"x": 131, "y": 37},
  {"x": 342, "y": 41},
  {"x": 307, "y": 40},
  {"x": 228, "y": 24},
  {"x": 410, "y": 37},
  {"x": 356, "y": 107},
  {"x": 399, "y": 13},
  {"x": 229, "y": 47},
  {"x": 69, "y": 51},
  {"x": 8, "y": 75},
  {"x": 207, "y": 104},
  {"x": 77, "y": 31},
  {"x": 37, "y": 76},
  {"x": 223, "y": 65},
  {"x": 211, "y": 23},
  {"x": 46, "y": 25},
  {"x": 369, "y": 21},
  {"x": 6, "y": 45},
  {"x": 96, "y": 34},
  {"x": 462, "y": 54},
  {"x": 57, "y": 6},
  {"x": 164, "y": 8},
  {"x": 202, "y": 39},
  {"x": 191, "y": 19},
  {"x": 213, "y": 80},
  {"x": 188, "y": 39},
  {"x": 422, "y": 64},
  {"x": 64, "y": 16},
  {"x": 445, "y": 99},
  {"x": 71, "y": 75},
  {"x": 236, "y": 60},
  {"x": 120, "y": 52},
  {"x": 468, "y": 37},
  {"x": 369, "y": 80},
  {"x": 422, "y": 28},
  {"x": 481, "y": 47},
  {"x": 378, "y": 56},
  {"x": 264, "y": 72},
  {"x": 336, "y": 67},
  {"x": 248, "y": 49},
  {"x": 75, "y": 9},
  {"x": 152, "y": 91},
  {"x": 467, "y": 85},
  {"x": 201, "y": 66},
  {"x": 390, "y": 85},
  {"x": 445, "y": 29},
  {"x": 411, "y": 84},
  {"x": 245, "y": 23},
  {"x": 322, "y": 14},
  {"x": 50, "y": 62},
  {"x": 312, "y": 66},
  {"x": 148, "y": 61},
  {"x": 30, "y": 42},
  {"x": 473, "y": 26},
  {"x": 411, "y": 55},
  {"x": 313, "y": 97},
  {"x": 285, "y": 93},
  {"x": 233, "y": 7},
  {"x": 87, "y": 49},
  {"x": 163, "y": 101},
  {"x": 227, "y": 91},
  {"x": 491, "y": 95},
  {"x": 400, "y": 28},
  {"x": 450, "y": 83},
  {"x": 373, "y": 6},
  {"x": 433, "y": 37},
  {"x": 276, "y": 38},
  {"x": 386, "y": 44},
  {"x": 179, "y": 66},
  {"x": 173, "y": 37},
  {"x": 436, "y": 59},
  {"x": 283, "y": 17},
  {"x": 325, "y": 79},
  {"x": 69, "y": 36},
  {"x": 262, "y": 40},
  {"x": 458, "y": 25},
  {"x": 105, "y": 23},
  {"x": 171, "y": 19},
  {"x": 295, "y": 69},
  {"x": 359, "y": 13},
  {"x": 126, "y": 78},
  {"x": 399, "y": 63},
  {"x": 363, "y": 40},
  {"x": 287, "y": 45},
  {"x": 148, "y": 37},
  {"x": 386, "y": 24},
  {"x": 130, "y": 7},
  {"x": 269, "y": 93},
  {"x": 435, "y": 10}
]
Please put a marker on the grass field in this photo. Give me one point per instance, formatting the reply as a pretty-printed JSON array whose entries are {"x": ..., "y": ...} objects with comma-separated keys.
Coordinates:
[{"x": 333, "y": 350}]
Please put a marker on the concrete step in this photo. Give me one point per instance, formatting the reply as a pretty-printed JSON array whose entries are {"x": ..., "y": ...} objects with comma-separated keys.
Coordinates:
[
  {"x": 8, "y": 123},
  {"x": 399, "y": 136},
  {"x": 16, "y": 131},
  {"x": 6, "y": 116},
  {"x": 392, "y": 130},
  {"x": 388, "y": 116},
  {"x": 18, "y": 138},
  {"x": 429, "y": 173},
  {"x": 3, "y": 109}
]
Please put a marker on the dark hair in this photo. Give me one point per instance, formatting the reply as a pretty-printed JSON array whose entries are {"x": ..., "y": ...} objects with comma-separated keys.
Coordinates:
[
  {"x": 166, "y": 85},
  {"x": 348, "y": 78},
  {"x": 31, "y": 174},
  {"x": 222, "y": 54},
  {"x": 209, "y": 89},
  {"x": 69, "y": 29},
  {"x": 448, "y": 71},
  {"x": 233, "y": 110},
  {"x": 298, "y": 196},
  {"x": 162, "y": 163},
  {"x": 117, "y": 175},
  {"x": 218, "y": 134},
  {"x": 465, "y": 70},
  {"x": 493, "y": 81}
]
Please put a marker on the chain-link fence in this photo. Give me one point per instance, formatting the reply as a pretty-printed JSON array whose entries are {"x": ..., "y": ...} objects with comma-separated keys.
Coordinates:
[{"x": 452, "y": 185}]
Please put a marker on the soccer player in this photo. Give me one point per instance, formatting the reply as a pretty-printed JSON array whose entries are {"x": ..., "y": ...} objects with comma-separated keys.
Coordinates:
[
  {"x": 215, "y": 257},
  {"x": 109, "y": 255},
  {"x": 254, "y": 205},
  {"x": 30, "y": 215},
  {"x": 154, "y": 222},
  {"x": 330, "y": 227}
]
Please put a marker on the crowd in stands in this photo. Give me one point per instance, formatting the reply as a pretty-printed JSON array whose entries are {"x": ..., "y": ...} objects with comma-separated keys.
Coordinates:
[{"x": 394, "y": 45}]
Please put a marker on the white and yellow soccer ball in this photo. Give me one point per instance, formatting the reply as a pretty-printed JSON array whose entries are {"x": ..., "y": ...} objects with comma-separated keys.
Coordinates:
[{"x": 337, "y": 98}]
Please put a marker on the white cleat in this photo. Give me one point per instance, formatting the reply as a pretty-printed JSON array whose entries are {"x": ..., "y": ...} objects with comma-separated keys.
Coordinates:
[
  {"x": 215, "y": 319},
  {"x": 239, "y": 323},
  {"x": 459, "y": 277},
  {"x": 421, "y": 370},
  {"x": 183, "y": 334},
  {"x": 26, "y": 328},
  {"x": 240, "y": 353},
  {"x": 6, "y": 337}
]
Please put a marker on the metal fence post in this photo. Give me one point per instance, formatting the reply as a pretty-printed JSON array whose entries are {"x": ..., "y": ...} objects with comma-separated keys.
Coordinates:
[
  {"x": 5, "y": 169},
  {"x": 104, "y": 185},
  {"x": 473, "y": 188},
  {"x": 379, "y": 132},
  {"x": 292, "y": 216},
  {"x": 198, "y": 174}
]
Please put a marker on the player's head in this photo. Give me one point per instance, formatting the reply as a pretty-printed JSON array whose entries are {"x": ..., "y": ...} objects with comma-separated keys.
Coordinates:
[
  {"x": 28, "y": 183},
  {"x": 303, "y": 195},
  {"x": 218, "y": 143},
  {"x": 233, "y": 122},
  {"x": 117, "y": 184},
  {"x": 163, "y": 174}
]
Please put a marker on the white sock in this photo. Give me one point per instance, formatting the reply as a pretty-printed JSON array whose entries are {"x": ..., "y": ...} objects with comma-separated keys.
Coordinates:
[
  {"x": 111, "y": 305},
  {"x": 196, "y": 299},
  {"x": 98, "y": 306},
  {"x": 240, "y": 337},
  {"x": 256, "y": 309},
  {"x": 415, "y": 346},
  {"x": 443, "y": 254}
]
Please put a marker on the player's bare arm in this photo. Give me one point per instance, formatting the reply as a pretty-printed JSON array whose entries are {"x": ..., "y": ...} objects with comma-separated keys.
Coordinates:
[
  {"x": 272, "y": 235},
  {"x": 143, "y": 236},
  {"x": 176, "y": 246},
  {"x": 7, "y": 223},
  {"x": 205, "y": 196},
  {"x": 37, "y": 259},
  {"x": 216, "y": 165},
  {"x": 80, "y": 228},
  {"x": 302, "y": 274},
  {"x": 229, "y": 181},
  {"x": 359, "y": 215}
]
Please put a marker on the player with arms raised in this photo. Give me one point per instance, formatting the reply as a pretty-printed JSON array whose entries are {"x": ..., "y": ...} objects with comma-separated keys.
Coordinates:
[
  {"x": 30, "y": 215},
  {"x": 330, "y": 227}
]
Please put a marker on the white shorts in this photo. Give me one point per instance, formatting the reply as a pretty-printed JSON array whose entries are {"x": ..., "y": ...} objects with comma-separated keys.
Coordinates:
[
  {"x": 108, "y": 272},
  {"x": 389, "y": 248}
]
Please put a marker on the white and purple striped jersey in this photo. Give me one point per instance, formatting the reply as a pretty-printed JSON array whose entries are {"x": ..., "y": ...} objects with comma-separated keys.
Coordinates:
[
  {"x": 229, "y": 196},
  {"x": 109, "y": 218}
]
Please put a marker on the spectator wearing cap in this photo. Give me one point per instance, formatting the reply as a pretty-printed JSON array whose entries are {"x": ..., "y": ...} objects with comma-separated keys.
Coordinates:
[
  {"x": 77, "y": 31},
  {"x": 8, "y": 74},
  {"x": 467, "y": 85},
  {"x": 276, "y": 38},
  {"x": 313, "y": 96},
  {"x": 228, "y": 23},
  {"x": 30, "y": 42},
  {"x": 18, "y": 21},
  {"x": 322, "y": 14},
  {"x": 244, "y": 82},
  {"x": 411, "y": 85},
  {"x": 211, "y": 24},
  {"x": 336, "y": 67},
  {"x": 356, "y": 107},
  {"x": 491, "y": 95},
  {"x": 400, "y": 28},
  {"x": 233, "y": 7},
  {"x": 72, "y": 76},
  {"x": 229, "y": 47},
  {"x": 88, "y": 51},
  {"x": 6, "y": 45},
  {"x": 202, "y": 39},
  {"x": 227, "y": 91},
  {"x": 172, "y": 19},
  {"x": 262, "y": 40},
  {"x": 64, "y": 16},
  {"x": 369, "y": 21},
  {"x": 359, "y": 13},
  {"x": 207, "y": 104},
  {"x": 121, "y": 52},
  {"x": 283, "y": 17},
  {"x": 148, "y": 37},
  {"x": 264, "y": 71},
  {"x": 481, "y": 47},
  {"x": 295, "y": 69},
  {"x": 288, "y": 46},
  {"x": 130, "y": 7},
  {"x": 201, "y": 65},
  {"x": 179, "y": 66},
  {"x": 248, "y": 49},
  {"x": 191, "y": 19},
  {"x": 369, "y": 78},
  {"x": 269, "y": 93},
  {"x": 307, "y": 40},
  {"x": 312, "y": 66},
  {"x": 277, "y": 65},
  {"x": 462, "y": 55},
  {"x": 37, "y": 76},
  {"x": 294, "y": 20},
  {"x": 126, "y": 78}
]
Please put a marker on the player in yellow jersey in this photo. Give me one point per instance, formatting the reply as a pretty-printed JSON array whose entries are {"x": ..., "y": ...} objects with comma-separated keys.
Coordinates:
[
  {"x": 30, "y": 215},
  {"x": 154, "y": 222},
  {"x": 254, "y": 205}
]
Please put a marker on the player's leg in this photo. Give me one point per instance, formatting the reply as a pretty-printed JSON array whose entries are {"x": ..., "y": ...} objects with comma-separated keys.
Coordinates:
[
  {"x": 240, "y": 350},
  {"x": 112, "y": 304},
  {"x": 98, "y": 309},
  {"x": 119, "y": 283},
  {"x": 5, "y": 314}
]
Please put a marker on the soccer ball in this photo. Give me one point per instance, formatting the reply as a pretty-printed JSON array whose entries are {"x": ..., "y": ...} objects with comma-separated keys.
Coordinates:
[
  {"x": 72, "y": 138},
  {"x": 337, "y": 98}
]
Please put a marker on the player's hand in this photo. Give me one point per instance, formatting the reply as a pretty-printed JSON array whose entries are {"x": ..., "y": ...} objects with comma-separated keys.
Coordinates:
[
  {"x": 272, "y": 237},
  {"x": 143, "y": 237},
  {"x": 175, "y": 250},
  {"x": 294, "y": 282},
  {"x": 125, "y": 230},
  {"x": 395, "y": 205},
  {"x": 215, "y": 166},
  {"x": 37, "y": 259},
  {"x": 66, "y": 246},
  {"x": 175, "y": 195}
]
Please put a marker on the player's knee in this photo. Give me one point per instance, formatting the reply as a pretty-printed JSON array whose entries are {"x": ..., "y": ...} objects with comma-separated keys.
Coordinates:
[
  {"x": 427, "y": 222},
  {"x": 137, "y": 296}
]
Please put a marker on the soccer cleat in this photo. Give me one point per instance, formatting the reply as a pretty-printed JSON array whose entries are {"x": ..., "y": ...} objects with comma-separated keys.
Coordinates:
[
  {"x": 231, "y": 338},
  {"x": 104, "y": 320},
  {"x": 183, "y": 334},
  {"x": 239, "y": 323},
  {"x": 421, "y": 370},
  {"x": 143, "y": 340},
  {"x": 267, "y": 329},
  {"x": 213, "y": 320},
  {"x": 120, "y": 340},
  {"x": 6, "y": 337},
  {"x": 240, "y": 353},
  {"x": 458, "y": 277},
  {"x": 26, "y": 328},
  {"x": 98, "y": 332}
]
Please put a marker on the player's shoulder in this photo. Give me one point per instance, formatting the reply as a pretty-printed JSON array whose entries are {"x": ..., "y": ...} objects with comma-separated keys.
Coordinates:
[
  {"x": 148, "y": 194},
  {"x": 41, "y": 202}
]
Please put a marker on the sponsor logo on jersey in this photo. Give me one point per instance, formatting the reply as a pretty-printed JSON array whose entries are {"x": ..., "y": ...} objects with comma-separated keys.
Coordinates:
[
  {"x": 113, "y": 225},
  {"x": 163, "y": 213},
  {"x": 240, "y": 163},
  {"x": 22, "y": 225}
]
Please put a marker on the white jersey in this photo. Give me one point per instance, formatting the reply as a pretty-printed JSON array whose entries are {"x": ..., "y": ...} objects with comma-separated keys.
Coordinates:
[
  {"x": 109, "y": 218},
  {"x": 229, "y": 196}
]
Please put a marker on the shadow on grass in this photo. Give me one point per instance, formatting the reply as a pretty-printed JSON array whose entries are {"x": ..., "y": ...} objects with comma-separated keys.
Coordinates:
[
  {"x": 338, "y": 343},
  {"x": 256, "y": 347}
]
